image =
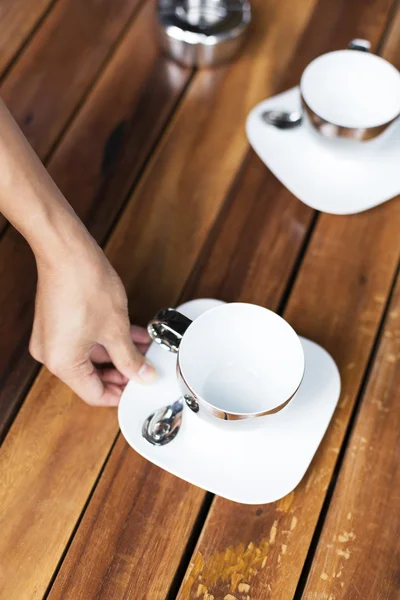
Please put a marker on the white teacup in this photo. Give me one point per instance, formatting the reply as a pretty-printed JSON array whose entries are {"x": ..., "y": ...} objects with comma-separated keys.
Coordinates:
[
  {"x": 236, "y": 361},
  {"x": 351, "y": 93}
]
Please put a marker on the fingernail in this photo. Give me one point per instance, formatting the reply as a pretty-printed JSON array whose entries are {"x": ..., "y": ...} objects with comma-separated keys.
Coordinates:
[{"x": 147, "y": 372}]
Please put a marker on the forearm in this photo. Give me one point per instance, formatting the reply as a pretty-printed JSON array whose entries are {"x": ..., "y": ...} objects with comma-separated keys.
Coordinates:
[
  {"x": 81, "y": 309},
  {"x": 30, "y": 199}
]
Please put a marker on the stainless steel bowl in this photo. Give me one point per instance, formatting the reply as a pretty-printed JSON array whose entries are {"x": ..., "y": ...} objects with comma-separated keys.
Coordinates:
[{"x": 202, "y": 32}]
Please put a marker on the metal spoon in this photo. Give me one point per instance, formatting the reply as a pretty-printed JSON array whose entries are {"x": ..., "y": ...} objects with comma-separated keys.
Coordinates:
[
  {"x": 282, "y": 119},
  {"x": 161, "y": 427}
]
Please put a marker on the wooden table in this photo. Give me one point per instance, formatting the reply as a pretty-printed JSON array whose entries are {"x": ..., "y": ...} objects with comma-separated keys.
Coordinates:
[{"x": 154, "y": 158}]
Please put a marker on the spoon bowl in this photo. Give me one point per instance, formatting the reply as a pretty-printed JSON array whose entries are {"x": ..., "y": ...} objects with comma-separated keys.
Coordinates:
[
  {"x": 161, "y": 427},
  {"x": 282, "y": 119}
]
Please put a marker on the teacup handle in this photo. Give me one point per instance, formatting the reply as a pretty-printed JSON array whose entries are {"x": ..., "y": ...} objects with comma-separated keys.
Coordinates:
[
  {"x": 167, "y": 328},
  {"x": 358, "y": 44}
]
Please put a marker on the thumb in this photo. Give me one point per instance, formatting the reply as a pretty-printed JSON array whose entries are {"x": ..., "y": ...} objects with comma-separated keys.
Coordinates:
[{"x": 129, "y": 361}]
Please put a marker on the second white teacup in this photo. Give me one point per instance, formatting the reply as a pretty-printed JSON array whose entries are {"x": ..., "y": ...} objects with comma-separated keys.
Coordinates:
[
  {"x": 350, "y": 93},
  {"x": 236, "y": 361}
]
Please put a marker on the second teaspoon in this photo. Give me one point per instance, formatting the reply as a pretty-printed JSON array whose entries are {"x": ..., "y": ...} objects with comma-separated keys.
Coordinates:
[{"x": 282, "y": 119}]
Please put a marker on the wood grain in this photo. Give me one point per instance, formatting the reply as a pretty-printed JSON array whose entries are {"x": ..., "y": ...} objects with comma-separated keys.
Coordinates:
[
  {"x": 97, "y": 162},
  {"x": 18, "y": 18},
  {"x": 154, "y": 517},
  {"x": 338, "y": 301},
  {"x": 214, "y": 93},
  {"x": 60, "y": 64},
  {"x": 392, "y": 40},
  {"x": 252, "y": 250},
  {"x": 49, "y": 462},
  {"x": 358, "y": 554}
]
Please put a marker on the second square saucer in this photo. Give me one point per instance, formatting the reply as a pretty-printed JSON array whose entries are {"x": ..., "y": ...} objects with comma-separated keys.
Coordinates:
[
  {"x": 337, "y": 176},
  {"x": 252, "y": 462}
]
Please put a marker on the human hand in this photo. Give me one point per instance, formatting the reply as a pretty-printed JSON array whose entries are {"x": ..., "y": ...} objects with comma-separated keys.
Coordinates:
[{"x": 81, "y": 322}]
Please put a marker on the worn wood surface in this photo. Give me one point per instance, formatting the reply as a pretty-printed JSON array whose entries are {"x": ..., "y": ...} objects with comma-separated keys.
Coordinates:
[
  {"x": 18, "y": 19},
  {"x": 338, "y": 300},
  {"x": 59, "y": 65},
  {"x": 358, "y": 554},
  {"x": 81, "y": 515},
  {"x": 95, "y": 165}
]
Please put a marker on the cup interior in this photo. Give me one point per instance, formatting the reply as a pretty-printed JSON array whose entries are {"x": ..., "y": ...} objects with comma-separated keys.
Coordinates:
[
  {"x": 242, "y": 359},
  {"x": 350, "y": 88}
]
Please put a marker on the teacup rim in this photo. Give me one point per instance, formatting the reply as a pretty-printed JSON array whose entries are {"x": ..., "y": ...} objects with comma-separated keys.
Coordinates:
[
  {"x": 365, "y": 56},
  {"x": 231, "y": 414}
]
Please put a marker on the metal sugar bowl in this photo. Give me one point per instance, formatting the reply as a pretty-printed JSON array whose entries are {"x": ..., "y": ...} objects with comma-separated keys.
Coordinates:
[{"x": 202, "y": 33}]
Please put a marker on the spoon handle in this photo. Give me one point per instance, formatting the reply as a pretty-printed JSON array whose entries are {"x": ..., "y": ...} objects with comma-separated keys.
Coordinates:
[{"x": 358, "y": 44}]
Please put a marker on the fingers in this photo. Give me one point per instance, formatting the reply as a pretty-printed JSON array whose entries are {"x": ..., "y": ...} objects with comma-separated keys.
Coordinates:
[
  {"x": 112, "y": 376},
  {"x": 99, "y": 354},
  {"x": 129, "y": 361},
  {"x": 140, "y": 335},
  {"x": 86, "y": 382},
  {"x": 103, "y": 386},
  {"x": 141, "y": 338},
  {"x": 142, "y": 348}
]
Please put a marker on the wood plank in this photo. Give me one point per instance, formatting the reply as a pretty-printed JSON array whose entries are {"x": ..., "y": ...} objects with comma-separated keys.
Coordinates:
[
  {"x": 213, "y": 95},
  {"x": 392, "y": 42},
  {"x": 254, "y": 246},
  {"x": 18, "y": 18},
  {"x": 150, "y": 512},
  {"x": 49, "y": 80},
  {"x": 97, "y": 162},
  {"x": 338, "y": 301},
  {"x": 60, "y": 64},
  {"x": 358, "y": 554},
  {"x": 270, "y": 234}
]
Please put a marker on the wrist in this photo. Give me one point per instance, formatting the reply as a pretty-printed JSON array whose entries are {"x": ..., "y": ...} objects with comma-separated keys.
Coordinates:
[{"x": 56, "y": 235}]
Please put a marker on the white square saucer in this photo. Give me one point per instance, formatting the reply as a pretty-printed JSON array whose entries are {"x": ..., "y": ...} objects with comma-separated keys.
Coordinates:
[
  {"x": 252, "y": 462},
  {"x": 337, "y": 176}
]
